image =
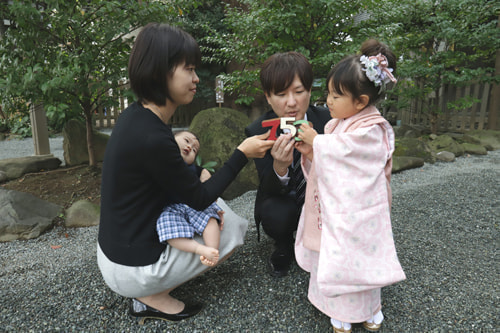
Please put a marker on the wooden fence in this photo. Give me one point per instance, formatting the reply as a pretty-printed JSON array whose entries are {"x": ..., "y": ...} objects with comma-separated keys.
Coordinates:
[
  {"x": 450, "y": 120},
  {"x": 107, "y": 117}
]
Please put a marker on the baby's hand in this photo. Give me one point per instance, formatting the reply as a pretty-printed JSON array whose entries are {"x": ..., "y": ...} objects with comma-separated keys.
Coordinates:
[
  {"x": 205, "y": 175},
  {"x": 307, "y": 134}
]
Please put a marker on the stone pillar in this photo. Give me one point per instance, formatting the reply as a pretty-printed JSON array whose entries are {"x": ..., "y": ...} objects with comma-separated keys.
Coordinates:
[
  {"x": 493, "y": 123},
  {"x": 39, "y": 129}
]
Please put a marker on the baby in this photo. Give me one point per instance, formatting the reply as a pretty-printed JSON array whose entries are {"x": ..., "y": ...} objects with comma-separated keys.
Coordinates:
[{"x": 178, "y": 222}]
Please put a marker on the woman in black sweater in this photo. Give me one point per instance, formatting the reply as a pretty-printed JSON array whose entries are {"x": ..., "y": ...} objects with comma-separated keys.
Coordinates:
[{"x": 143, "y": 171}]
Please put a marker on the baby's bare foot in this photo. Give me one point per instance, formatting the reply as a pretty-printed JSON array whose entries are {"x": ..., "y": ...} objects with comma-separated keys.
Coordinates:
[
  {"x": 209, "y": 256},
  {"x": 207, "y": 262}
]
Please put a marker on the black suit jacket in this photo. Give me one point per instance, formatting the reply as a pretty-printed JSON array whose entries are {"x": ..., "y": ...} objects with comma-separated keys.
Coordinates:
[{"x": 269, "y": 183}]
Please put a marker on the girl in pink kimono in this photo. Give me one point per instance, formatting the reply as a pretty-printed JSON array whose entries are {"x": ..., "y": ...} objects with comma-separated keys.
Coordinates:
[{"x": 344, "y": 238}]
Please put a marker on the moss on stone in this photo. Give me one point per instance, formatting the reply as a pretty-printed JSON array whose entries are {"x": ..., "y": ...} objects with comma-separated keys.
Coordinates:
[{"x": 220, "y": 131}]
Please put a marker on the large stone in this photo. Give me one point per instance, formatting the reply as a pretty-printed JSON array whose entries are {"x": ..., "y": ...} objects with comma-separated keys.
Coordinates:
[
  {"x": 24, "y": 216},
  {"x": 400, "y": 131},
  {"x": 75, "y": 143},
  {"x": 414, "y": 147},
  {"x": 456, "y": 136},
  {"x": 16, "y": 167},
  {"x": 445, "y": 156},
  {"x": 82, "y": 214},
  {"x": 446, "y": 143},
  {"x": 474, "y": 149},
  {"x": 487, "y": 138},
  {"x": 410, "y": 131},
  {"x": 220, "y": 131},
  {"x": 400, "y": 163}
]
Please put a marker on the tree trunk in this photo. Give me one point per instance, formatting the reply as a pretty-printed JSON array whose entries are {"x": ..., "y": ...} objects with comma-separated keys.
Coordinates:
[
  {"x": 90, "y": 138},
  {"x": 433, "y": 119},
  {"x": 434, "y": 112},
  {"x": 2, "y": 114}
]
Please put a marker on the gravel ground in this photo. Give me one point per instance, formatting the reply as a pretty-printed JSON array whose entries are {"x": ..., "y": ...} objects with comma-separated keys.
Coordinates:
[
  {"x": 25, "y": 147},
  {"x": 445, "y": 222}
]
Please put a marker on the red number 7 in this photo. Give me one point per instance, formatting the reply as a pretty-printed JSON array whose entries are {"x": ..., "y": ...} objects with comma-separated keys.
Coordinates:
[
  {"x": 273, "y": 123},
  {"x": 285, "y": 122}
]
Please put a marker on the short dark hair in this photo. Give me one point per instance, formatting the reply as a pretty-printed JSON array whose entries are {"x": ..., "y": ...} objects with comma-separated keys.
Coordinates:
[
  {"x": 157, "y": 50},
  {"x": 186, "y": 131},
  {"x": 279, "y": 70},
  {"x": 348, "y": 75}
]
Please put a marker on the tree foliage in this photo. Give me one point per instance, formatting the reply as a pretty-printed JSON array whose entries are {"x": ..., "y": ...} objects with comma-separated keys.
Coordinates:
[
  {"x": 204, "y": 19},
  {"x": 71, "y": 54},
  {"x": 257, "y": 29},
  {"x": 438, "y": 42}
]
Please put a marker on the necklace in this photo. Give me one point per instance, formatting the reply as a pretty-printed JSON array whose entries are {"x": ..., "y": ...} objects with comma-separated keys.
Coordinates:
[{"x": 156, "y": 111}]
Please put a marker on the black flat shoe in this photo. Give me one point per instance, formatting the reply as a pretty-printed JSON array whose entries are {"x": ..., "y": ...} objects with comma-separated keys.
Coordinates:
[
  {"x": 279, "y": 263},
  {"x": 148, "y": 312},
  {"x": 278, "y": 269}
]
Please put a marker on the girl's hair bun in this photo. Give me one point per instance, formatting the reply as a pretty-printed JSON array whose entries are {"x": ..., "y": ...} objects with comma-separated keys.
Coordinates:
[{"x": 372, "y": 47}]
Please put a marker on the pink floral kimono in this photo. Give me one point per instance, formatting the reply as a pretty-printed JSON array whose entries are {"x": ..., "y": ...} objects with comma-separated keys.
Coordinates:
[{"x": 344, "y": 238}]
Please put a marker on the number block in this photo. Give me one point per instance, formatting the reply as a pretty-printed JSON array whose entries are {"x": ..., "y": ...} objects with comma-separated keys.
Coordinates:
[{"x": 284, "y": 123}]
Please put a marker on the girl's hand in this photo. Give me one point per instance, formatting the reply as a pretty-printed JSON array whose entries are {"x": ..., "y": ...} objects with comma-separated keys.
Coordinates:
[
  {"x": 307, "y": 134},
  {"x": 256, "y": 146},
  {"x": 305, "y": 149}
]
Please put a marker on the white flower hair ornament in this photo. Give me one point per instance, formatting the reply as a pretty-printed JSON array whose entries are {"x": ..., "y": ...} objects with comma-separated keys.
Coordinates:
[{"x": 377, "y": 71}]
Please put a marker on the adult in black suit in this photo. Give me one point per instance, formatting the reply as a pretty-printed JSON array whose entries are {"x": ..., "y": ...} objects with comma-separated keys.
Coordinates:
[{"x": 286, "y": 79}]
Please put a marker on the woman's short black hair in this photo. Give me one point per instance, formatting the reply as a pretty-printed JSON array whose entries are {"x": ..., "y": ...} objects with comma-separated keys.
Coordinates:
[
  {"x": 279, "y": 70},
  {"x": 157, "y": 50}
]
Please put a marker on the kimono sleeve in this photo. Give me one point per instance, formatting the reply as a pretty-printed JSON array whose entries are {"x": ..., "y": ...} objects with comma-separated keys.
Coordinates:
[{"x": 357, "y": 249}]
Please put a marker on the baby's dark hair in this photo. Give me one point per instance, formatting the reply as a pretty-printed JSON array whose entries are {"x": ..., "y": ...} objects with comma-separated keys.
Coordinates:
[
  {"x": 348, "y": 75},
  {"x": 186, "y": 131}
]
